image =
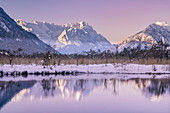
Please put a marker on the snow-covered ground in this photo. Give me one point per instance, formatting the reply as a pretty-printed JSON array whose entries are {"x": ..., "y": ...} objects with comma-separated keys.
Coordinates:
[{"x": 95, "y": 69}]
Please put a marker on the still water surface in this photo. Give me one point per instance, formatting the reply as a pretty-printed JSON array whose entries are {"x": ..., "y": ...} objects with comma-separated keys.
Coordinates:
[{"x": 98, "y": 95}]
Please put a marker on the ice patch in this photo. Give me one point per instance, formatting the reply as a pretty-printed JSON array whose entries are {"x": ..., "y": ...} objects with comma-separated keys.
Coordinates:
[{"x": 162, "y": 24}]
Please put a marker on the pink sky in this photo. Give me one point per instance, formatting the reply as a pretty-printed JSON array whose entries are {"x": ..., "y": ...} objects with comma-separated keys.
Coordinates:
[{"x": 114, "y": 19}]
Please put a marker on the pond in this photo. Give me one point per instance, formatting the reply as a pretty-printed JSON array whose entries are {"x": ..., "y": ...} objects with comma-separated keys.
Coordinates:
[{"x": 83, "y": 95}]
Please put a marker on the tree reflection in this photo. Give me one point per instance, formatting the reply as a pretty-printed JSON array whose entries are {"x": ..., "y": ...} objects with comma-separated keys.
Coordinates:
[
  {"x": 157, "y": 87},
  {"x": 69, "y": 88},
  {"x": 78, "y": 89},
  {"x": 48, "y": 87}
]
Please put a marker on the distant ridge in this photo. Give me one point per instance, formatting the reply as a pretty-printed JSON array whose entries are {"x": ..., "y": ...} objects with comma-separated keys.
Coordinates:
[
  {"x": 13, "y": 37},
  {"x": 155, "y": 33}
]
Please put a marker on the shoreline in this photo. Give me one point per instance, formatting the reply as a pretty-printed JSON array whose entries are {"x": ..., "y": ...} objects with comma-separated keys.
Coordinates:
[
  {"x": 74, "y": 70},
  {"x": 86, "y": 77}
]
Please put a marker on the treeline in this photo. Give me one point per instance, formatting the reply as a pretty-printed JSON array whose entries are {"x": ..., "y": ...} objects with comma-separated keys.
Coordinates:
[
  {"x": 158, "y": 51},
  {"x": 157, "y": 54}
]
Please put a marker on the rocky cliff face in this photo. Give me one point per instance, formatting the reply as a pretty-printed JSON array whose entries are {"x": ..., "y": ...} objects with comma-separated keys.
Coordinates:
[
  {"x": 69, "y": 38},
  {"x": 13, "y": 37}
]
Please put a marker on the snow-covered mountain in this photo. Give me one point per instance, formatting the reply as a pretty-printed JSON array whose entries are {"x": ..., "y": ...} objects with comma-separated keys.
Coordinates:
[
  {"x": 69, "y": 38},
  {"x": 153, "y": 34},
  {"x": 13, "y": 37}
]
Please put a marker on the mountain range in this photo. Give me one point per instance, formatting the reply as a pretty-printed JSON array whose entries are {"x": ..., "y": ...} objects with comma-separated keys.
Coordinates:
[
  {"x": 79, "y": 37},
  {"x": 71, "y": 38},
  {"x": 68, "y": 38},
  {"x": 13, "y": 37}
]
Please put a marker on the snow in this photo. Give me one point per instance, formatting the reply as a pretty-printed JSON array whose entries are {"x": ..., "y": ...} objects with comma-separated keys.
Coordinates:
[
  {"x": 14, "y": 37},
  {"x": 95, "y": 69},
  {"x": 78, "y": 25},
  {"x": 82, "y": 24},
  {"x": 64, "y": 37},
  {"x": 4, "y": 27},
  {"x": 162, "y": 24},
  {"x": 35, "y": 22},
  {"x": 17, "y": 39},
  {"x": 168, "y": 48},
  {"x": 153, "y": 34}
]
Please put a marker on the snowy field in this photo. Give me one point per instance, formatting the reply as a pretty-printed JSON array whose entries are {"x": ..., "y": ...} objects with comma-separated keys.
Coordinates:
[
  {"x": 118, "y": 71},
  {"x": 92, "y": 69}
]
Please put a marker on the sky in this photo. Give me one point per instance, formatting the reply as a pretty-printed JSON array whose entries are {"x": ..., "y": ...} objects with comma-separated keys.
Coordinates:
[{"x": 114, "y": 19}]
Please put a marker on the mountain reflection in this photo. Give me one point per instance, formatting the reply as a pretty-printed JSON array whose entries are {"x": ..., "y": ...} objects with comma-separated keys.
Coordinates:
[
  {"x": 9, "y": 89},
  {"x": 78, "y": 89}
]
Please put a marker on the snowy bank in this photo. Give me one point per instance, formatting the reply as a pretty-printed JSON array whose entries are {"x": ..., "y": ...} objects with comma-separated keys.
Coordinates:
[
  {"x": 88, "y": 77},
  {"x": 90, "y": 69}
]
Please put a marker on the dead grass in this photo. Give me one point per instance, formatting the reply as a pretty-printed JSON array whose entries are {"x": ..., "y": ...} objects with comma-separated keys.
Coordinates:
[{"x": 86, "y": 61}]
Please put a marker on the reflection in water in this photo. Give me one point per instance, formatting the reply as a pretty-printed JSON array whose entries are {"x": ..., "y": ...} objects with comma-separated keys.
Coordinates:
[
  {"x": 9, "y": 89},
  {"x": 156, "y": 88},
  {"x": 153, "y": 89},
  {"x": 76, "y": 89}
]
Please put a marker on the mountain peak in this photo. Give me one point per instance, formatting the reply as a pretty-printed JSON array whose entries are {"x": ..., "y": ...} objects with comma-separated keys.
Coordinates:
[
  {"x": 78, "y": 25},
  {"x": 161, "y": 23},
  {"x": 20, "y": 22},
  {"x": 1, "y": 9},
  {"x": 83, "y": 23},
  {"x": 153, "y": 34}
]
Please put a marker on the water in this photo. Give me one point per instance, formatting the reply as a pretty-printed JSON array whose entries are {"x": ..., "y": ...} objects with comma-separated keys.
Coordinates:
[{"x": 82, "y": 95}]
